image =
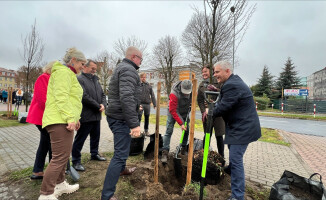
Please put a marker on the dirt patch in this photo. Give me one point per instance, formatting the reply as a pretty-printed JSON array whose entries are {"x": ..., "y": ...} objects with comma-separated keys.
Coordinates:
[{"x": 140, "y": 185}]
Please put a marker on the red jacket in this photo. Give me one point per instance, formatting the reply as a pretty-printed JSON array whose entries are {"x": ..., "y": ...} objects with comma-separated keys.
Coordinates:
[
  {"x": 173, "y": 105},
  {"x": 36, "y": 110}
]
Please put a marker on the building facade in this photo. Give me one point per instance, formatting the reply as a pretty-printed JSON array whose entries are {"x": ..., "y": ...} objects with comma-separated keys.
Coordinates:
[
  {"x": 7, "y": 78},
  {"x": 316, "y": 84}
]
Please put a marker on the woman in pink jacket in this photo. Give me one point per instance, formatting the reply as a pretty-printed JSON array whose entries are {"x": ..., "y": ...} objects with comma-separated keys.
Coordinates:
[{"x": 35, "y": 115}]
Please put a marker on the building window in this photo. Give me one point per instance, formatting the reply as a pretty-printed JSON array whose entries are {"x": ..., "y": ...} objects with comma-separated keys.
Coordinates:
[
  {"x": 5, "y": 85},
  {"x": 0, "y": 84},
  {"x": 9, "y": 85},
  {"x": 10, "y": 79},
  {"x": 0, "y": 78},
  {"x": 3, "y": 73},
  {"x": 6, "y": 78}
]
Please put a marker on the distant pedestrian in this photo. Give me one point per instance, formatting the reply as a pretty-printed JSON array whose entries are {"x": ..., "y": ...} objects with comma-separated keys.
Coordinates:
[
  {"x": 218, "y": 123},
  {"x": 236, "y": 106},
  {"x": 61, "y": 118},
  {"x": 35, "y": 115},
  {"x": 13, "y": 97},
  {"x": 94, "y": 104},
  {"x": 20, "y": 93},
  {"x": 1, "y": 96},
  {"x": 122, "y": 115},
  {"x": 147, "y": 97},
  {"x": 4, "y": 96}
]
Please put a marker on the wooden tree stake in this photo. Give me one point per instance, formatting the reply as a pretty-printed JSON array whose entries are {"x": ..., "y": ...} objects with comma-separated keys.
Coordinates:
[
  {"x": 157, "y": 130},
  {"x": 192, "y": 130}
]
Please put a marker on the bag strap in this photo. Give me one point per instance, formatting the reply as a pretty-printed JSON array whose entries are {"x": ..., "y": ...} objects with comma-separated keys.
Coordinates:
[
  {"x": 321, "y": 182},
  {"x": 314, "y": 174}
]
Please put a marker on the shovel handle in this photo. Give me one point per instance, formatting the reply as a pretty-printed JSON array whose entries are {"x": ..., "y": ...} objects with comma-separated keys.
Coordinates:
[{"x": 203, "y": 169}]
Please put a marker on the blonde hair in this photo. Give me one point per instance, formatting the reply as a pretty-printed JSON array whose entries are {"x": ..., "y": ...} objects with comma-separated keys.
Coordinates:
[
  {"x": 73, "y": 53},
  {"x": 142, "y": 74},
  {"x": 48, "y": 67}
]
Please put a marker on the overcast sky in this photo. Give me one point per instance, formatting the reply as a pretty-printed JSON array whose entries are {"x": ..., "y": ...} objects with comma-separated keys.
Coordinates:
[{"x": 278, "y": 30}]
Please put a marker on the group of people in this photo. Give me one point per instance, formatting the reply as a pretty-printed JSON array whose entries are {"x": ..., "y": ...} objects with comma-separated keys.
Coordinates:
[
  {"x": 234, "y": 115},
  {"x": 17, "y": 96},
  {"x": 68, "y": 97},
  {"x": 64, "y": 102}
]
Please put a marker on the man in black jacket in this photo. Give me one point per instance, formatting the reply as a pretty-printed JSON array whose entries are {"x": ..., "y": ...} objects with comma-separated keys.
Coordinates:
[
  {"x": 90, "y": 122},
  {"x": 122, "y": 115},
  {"x": 147, "y": 96},
  {"x": 236, "y": 106}
]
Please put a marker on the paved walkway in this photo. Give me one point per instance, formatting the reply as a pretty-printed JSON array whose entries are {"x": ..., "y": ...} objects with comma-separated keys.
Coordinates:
[{"x": 264, "y": 162}]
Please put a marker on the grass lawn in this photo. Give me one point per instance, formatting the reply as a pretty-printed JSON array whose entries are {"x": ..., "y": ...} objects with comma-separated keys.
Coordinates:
[
  {"x": 5, "y": 122},
  {"x": 291, "y": 115},
  {"x": 268, "y": 135}
]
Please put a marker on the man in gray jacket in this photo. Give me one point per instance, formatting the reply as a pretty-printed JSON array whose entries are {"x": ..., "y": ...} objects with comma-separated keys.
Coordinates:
[
  {"x": 122, "y": 116},
  {"x": 90, "y": 122},
  {"x": 147, "y": 97}
]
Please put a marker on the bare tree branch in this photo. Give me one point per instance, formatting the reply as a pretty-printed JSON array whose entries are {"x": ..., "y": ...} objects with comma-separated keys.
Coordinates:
[
  {"x": 208, "y": 37},
  {"x": 33, "y": 48},
  {"x": 166, "y": 55},
  {"x": 105, "y": 65}
]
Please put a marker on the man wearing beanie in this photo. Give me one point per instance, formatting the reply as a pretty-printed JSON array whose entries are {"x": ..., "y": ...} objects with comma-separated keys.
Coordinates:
[{"x": 179, "y": 103}]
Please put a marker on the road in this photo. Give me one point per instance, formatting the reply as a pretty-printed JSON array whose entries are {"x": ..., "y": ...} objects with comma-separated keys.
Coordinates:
[{"x": 309, "y": 127}]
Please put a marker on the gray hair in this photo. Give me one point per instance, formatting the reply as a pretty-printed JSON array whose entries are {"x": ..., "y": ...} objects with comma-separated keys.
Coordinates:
[
  {"x": 48, "y": 67},
  {"x": 224, "y": 65},
  {"x": 89, "y": 61},
  {"x": 132, "y": 51},
  {"x": 73, "y": 53}
]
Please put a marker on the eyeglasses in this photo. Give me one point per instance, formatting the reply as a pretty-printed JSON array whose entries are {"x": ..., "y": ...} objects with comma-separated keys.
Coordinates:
[{"x": 141, "y": 59}]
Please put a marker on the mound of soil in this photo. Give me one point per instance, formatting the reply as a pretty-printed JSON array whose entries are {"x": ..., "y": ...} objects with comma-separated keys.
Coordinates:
[{"x": 139, "y": 186}]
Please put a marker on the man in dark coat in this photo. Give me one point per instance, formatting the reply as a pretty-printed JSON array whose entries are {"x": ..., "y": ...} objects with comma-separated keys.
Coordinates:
[
  {"x": 94, "y": 103},
  {"x": 147, "y": 97},
  {"x": 122, "y": 115},
  {"x": 236, "y": 106}
]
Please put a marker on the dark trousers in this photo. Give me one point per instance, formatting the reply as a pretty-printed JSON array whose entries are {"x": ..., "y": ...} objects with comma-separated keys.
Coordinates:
[
  {"x": 236, "y": 153},
  {"x": 146, "y": 110},
  {"x": 117, "y": 164},
  {"x": 91, "y": 128},
  {"x": 219, "y": 142},
  {"x": 43, "y": 148}
]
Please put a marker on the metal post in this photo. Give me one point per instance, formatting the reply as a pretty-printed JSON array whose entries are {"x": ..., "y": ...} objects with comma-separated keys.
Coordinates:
[
  {"x": 232, "y": 10},
  {"x": 314, "y": 110}
]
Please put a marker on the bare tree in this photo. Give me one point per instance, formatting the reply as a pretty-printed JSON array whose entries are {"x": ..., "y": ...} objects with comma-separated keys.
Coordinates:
[
  {"x": 105, "y": 66},
  {"x": 21, "y": 78},
  {"x": 208, "y": 37},
  {"x": 167, "y": 54},
  {"x": 33, "y": 48},
  {"x": 122, "y": 44}
]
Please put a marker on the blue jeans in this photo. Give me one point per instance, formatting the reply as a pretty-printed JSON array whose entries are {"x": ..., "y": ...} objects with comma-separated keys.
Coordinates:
[
  {"x": 169, "y": 130},
  {"x": 236, "y": 153},
  {"x": 43, "y": 148},
  {"x": 91, "y": 128},
  {"x": 117, "y": 164}
]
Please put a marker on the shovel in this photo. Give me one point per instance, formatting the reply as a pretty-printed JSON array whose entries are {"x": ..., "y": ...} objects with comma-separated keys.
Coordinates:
[
  {"x": 207, "y": 138},
  {"x": 176, "y": 160},
  {"x": 72, "y": 172}
]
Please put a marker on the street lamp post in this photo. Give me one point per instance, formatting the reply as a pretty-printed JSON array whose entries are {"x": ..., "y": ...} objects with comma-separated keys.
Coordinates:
[{"x": 232, "y": 10}]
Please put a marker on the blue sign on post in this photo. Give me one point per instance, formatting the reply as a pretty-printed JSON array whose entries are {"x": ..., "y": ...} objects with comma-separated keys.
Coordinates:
[{"x": 303, "y": 92}]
